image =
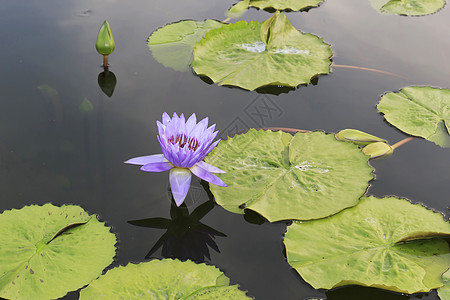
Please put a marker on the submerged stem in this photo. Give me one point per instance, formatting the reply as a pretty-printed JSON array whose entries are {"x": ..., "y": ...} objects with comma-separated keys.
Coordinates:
[
  {"x": 369, "y": 69},
  {"x": 402, "y": 142}
]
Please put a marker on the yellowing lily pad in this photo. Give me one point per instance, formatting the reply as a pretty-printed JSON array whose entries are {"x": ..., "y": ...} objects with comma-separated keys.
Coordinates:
[
  {"x": 163, "y": 279},
  {"x": 47, "y": 251},
  {"x": 280, "y": 176},
  {"x": 172, "y": 45},
  {"x": 252, "y": 55},
  {"x": 419, "y": 111},
  {"x": 383, "y": 243},
  {"x": 408, "y": 7}
]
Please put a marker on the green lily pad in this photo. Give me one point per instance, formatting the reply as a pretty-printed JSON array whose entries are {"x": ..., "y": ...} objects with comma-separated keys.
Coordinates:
[
  {"x": 408, "y": 7},
  {"x": 238, "y": 9},
  {"x": 172, "y": 45},
  {"x": 294, "y": 5},
  {"x": 419, "y": 111},
  {"x": 48, "y": 251},
  {"x": 251, "y": 55},
  {"x": 381, "y": 243},
  {"x": 161, "y": 279},
  {"x": 308, "y": 176},
  {"x": 444, "y": 292},
  {"x": 219, "y": 292}
]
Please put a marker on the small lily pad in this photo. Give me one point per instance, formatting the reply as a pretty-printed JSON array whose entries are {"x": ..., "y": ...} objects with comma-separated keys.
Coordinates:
[
  {"x": 444, "y": 292},
  {"x": 172, "y": 45},
  {"x": 294, "y": 5},
  {"x": 162, "y": 279},
  {"x": 281, "y": 177},
  {"x": 252, "y": 55},
  {"x": 48, "y": 251},
  {"x": 383, "y": 243},
  {"x": 419, "y": 111},
  {"x": 408, "y": 7}
]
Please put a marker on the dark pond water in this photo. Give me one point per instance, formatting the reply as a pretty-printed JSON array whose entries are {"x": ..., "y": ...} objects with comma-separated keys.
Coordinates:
[{"x": 53, "y": 152}]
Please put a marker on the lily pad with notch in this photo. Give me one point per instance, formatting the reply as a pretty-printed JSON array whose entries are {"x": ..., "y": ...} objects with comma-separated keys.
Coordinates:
[
  {"x": 252, "y": 55},
  {"x": 386, "y": 243},
  {"x": 419, "y": 111},
  {"x": 48, "y": 251},
  {"x": 283, "y": 177}
]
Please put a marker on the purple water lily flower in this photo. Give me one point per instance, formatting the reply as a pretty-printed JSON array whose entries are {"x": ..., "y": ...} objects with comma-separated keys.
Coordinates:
[{"x": 184, "y": 145}]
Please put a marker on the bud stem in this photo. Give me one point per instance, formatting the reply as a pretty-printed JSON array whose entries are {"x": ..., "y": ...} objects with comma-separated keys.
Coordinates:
[
  {"x": 105, "y": 60},
  {"x": 402, "y": 142}
]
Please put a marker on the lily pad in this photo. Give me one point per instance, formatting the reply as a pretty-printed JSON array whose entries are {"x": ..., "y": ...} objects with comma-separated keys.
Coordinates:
[
  {"x": 162, "y": 279},
  {"x": 48, "y": 251},
  {"x": 444, "y": 292},
  {"x": 281, "y": 177},
  {"x": 419, "y": 111},
  {"x": 383, "y": 243},
  {"x": 252, "y": 55},
  {"x": 408, "y": 7},
  {"x": 172, "y": 45},
  {"x": 294, "y": 5}
]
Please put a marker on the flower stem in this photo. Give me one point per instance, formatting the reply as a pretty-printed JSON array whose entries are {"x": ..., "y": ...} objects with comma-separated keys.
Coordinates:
[{"x": 402, "y": 142}]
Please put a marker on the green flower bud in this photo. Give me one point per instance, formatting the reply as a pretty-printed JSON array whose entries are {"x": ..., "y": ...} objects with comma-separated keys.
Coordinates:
[
  {"x": 357, "y": 137},
  {"x": 378, "y": 149},
  {"x": 105, "y": 42}
]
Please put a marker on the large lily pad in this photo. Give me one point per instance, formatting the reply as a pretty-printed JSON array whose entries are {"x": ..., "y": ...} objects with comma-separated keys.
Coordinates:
[
  {"x": 251, "y": 55},
  {"x": 408, "y": 7},
  {"x": 379, "y": 243},
  {"x": 47, "y": 251},
  {"x": 308, "y": 176},
  {"x": 419, "y": 111},
  {"x": 294, "y": 5},
  {"x": 162, "y": 279},
  {"x": 172, "y": 45},
  {"x": 444, "y": 292}
]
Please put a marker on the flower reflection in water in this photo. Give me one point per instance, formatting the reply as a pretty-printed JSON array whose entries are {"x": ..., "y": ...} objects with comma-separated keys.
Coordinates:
[{"x": 185, "y": 237}]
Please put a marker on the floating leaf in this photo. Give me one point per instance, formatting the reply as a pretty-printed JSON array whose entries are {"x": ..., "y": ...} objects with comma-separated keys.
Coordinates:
[
  {"x": 238, "y": 9},
  {"x": 218, "y": 292},
  {"x": 294, "y": 5},
  {"x": 308, "y": 176},
  {"x": 378, "y": 149},
  {"x": 47, "y": 251},
  {"x": 408, "y": 7},
  {"x": 239, "y": 55},
  {"x": 160, "y": 279},
  {"x": 172, "y": 45},
  {"x": 419, "y": 111},
  {"x": 375, "y": 243},
  {"x": 357, "y": 137},
  {"x": 444, "y": 292}
]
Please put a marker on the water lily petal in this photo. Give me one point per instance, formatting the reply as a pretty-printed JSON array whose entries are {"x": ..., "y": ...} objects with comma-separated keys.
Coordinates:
[
  {"x": 157, "y": 167},
  {"x": 143, "y": 160},
  {"x": 180, "y": 181},
  {"x": 190, "y": 123},
  {"x": 165, "y": 118},
  {"x": 207, "y": 176},
  {"x": 209, "y": 168}
]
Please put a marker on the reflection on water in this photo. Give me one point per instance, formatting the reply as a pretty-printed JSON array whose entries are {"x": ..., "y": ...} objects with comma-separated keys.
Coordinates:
[{"x": 185, "y": 237}]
